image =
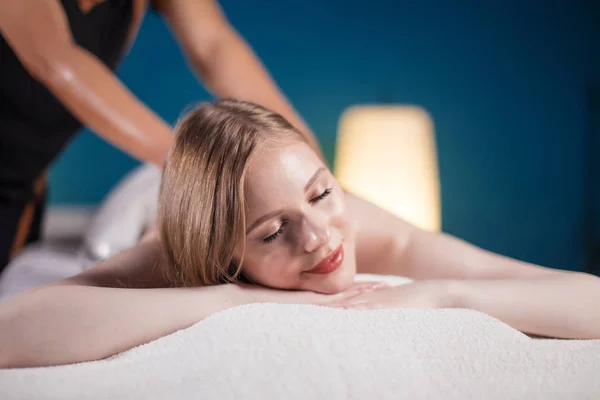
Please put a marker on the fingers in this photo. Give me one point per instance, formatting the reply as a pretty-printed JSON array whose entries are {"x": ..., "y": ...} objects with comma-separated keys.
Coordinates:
[
  {"x": 367, "y": 284},
  {"x": 305, "y": 297},
  {"x": 364, "y": 296},
  {"x": 358, "y": 306},
  {"x": 359, "y": 289},
  {"x": 353, "y": 292}
]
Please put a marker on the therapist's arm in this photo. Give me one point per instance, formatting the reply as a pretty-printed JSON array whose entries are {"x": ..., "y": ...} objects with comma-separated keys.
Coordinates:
[
  {"x": 224, "y": 61},
  {"x": 38, "y": 33}
]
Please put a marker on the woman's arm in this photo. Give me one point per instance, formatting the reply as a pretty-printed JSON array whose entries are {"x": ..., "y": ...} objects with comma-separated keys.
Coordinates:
[
  {"x": 559, "y": 305},
  {"x": 112, "y": 307},
  {"x": 63, "y": 324},
  {"x": 452, "y": 273},
  {"x": 45, "y": 47},
  {"x": 87, "y": 318}
]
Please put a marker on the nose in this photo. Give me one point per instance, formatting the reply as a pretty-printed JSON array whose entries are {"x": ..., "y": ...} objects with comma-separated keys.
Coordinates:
[{"x": 316, "y": 233}]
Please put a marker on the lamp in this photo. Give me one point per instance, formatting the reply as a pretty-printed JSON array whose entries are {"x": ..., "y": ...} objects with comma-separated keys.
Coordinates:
[{"x": 387, "y": 155}]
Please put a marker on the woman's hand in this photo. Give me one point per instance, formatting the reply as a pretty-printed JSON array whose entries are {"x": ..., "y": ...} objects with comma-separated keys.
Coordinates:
[
  {"x": 419, "y": 294},
  {"x": 258, "y": 294}
]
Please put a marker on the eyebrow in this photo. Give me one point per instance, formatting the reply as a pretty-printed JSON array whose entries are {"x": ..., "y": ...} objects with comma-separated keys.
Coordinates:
[
  {"x": 313, "y": 179},
  {"x": 277, "y": 212},
  {"x": 262, "y": 219}
]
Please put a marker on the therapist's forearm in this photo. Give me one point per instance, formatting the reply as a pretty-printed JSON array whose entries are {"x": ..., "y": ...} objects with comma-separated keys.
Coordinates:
[
  {"x": 231, "y": 69},
  {"x": 101, "y": 102},
  {"x": 562, "y": 306}
]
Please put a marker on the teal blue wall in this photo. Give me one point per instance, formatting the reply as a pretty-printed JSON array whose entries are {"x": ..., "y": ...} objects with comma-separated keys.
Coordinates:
[{"x": 505, "y": 82}]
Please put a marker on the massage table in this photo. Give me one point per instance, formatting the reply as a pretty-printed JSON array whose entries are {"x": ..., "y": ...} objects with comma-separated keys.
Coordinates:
[{"x": 271, "y": 351}]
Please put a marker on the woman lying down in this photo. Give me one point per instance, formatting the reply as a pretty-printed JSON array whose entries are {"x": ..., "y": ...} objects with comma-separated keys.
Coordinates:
[{"x": 249, "y": 213}]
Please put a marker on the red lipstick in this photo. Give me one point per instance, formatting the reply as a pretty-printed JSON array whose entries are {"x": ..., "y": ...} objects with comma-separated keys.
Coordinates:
[{"x": 330, "y": 263}]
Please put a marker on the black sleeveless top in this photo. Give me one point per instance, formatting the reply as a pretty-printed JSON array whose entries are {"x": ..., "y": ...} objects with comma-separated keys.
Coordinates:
[{"x": 34, "y": 125}]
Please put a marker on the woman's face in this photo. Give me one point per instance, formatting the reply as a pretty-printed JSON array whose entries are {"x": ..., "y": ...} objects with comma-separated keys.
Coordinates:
[{"x": 298, "y": 235}]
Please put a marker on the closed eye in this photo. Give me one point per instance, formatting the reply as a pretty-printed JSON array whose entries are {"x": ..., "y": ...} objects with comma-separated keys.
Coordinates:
[
  {"x": 320, "y": 197},
  {"x": 275, "y": 235}
]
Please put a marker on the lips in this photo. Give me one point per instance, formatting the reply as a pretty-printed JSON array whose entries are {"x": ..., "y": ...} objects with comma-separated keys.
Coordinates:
[{"x": 330, "y": 263}]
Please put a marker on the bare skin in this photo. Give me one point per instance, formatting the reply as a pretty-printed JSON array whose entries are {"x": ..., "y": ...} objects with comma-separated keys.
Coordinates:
[
  {"x": 92, "y": 316},
  {"x": 124, "y": 301},
  {"x": 301, "y": 224},
  {"x": 220, "y": 57}
]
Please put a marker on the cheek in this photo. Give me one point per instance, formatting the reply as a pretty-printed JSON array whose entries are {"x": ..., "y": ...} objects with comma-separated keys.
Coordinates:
[
  {"x": 275, "y": 269},
  {"x": 340, "y": 218}
]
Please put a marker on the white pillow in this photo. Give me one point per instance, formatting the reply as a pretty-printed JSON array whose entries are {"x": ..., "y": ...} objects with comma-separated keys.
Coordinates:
[
  {"x": 125, "y": 213},
  {"x": 38, "y": 264}
]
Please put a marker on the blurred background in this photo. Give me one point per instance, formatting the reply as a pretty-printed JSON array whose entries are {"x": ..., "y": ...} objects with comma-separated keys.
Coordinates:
[{"x": 512, "y": 88}]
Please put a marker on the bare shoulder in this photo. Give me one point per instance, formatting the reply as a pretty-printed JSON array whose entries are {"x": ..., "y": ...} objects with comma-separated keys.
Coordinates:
[
  {"x": 369, "y": 216},
  {"x": 381, "y": 237}
]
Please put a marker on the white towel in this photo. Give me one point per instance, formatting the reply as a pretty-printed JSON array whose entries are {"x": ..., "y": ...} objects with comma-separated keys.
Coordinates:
[{"x": 270, "y": 351}]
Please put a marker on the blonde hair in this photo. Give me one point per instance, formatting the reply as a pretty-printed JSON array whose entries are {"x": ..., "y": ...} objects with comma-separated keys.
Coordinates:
[{"x": 201, "y": 211}]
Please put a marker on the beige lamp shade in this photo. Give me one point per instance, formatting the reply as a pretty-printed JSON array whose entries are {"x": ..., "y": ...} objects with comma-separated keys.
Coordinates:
[{"x": 387, "y": 155}]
